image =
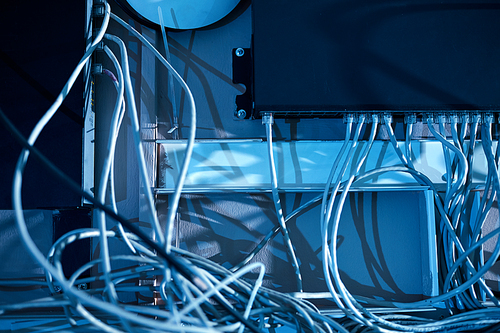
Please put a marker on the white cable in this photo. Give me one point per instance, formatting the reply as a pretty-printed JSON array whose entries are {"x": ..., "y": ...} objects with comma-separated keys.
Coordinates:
[
  {"x": 101, "y": 191},
  {"x": 114, "y": 130},
  {"x": 426, "y": 181},
  {"x": 394, "y": 142},
  {"x": 143, "y": 171},
  {"x": 171, "y": 91},
  {"x": 69, "y": 84},
  {"x": 267, "y": 119},
  {"x": 336, "y": 219},
  {"x": 174, "y": 201},
  {"x": 21, "y": 224},
  {"x": 228, "y": 280},
  {"x": 334, "y": 247},
  {"x": 253, "y": 294},
  {"x": 447, "y": 162},
  {"x": 409, "y": 132},
  {"x": 459, "y": 261},
  {"x": 335, "y": 188},
  {"x": 79, "y": 299},
  {"x": 328, "y": 185},
  {"x": 326, "y": 219},
  {"x": 17, "y": 182}
]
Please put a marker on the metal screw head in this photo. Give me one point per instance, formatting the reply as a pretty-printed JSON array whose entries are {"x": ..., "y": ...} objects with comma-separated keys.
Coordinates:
[
  {"x": 82, "y": 286},
  {"x": 241, "y": 114},
  {"x": 239, "y": 52}
]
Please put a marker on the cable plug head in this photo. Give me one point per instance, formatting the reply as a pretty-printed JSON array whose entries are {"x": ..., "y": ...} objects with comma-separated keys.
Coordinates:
[
  {"x": 410, "y": 118},
  {"x": 428, "y": 118},
  {"x": 442, "y": 118},
  {"x": 477, "y": 118},
  {"x": 454, "y": 119},
  {"x": 489, "y": 118},
  {"x": 361, "y": 118},
  {"x": 387, "y": 118},
  {"x": 349, "y": 118},
  {"x": 267, "y": 118}
]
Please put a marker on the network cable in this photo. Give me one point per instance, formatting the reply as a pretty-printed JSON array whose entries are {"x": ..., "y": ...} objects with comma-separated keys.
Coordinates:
[
  {"x": 202, "y": 296},
  {"x": 205, "y": 287},
  {"x": 268, "y": 121}
]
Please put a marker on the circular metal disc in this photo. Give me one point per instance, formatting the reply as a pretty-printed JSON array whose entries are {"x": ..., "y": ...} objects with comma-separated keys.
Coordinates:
[{"x": 183, "y": 14}]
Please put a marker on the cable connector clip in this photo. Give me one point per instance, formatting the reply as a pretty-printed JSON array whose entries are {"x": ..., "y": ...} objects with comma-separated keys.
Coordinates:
[
  {"x": 465, "y": 117},
  {"x": 410, "y": 118},
  {"x": 267, "y": 118},
  {"x": 387, "y": 118},
  {"x": 454, "y": 118},
  {"x": 489, "y": 118},
  {"x": 98, "y": 10},
  {"x": 429, "y": 118},
  {"x": 361, "y": 118},
  {"x": 349, "y": 118},
  {"x": 100, "y": 46},
  {"x": 442, "y": 119}
]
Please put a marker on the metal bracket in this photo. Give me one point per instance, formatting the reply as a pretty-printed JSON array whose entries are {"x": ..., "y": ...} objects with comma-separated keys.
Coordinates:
[
  {"x": 98, "y": 10},
  {"x": 242, "y": 74}
]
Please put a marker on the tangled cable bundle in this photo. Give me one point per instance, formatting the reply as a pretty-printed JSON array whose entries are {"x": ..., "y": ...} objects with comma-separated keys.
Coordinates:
[{"x": 198, "y": 295}]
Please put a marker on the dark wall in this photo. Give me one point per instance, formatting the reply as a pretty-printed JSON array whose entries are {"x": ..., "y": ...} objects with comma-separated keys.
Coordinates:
[{"x": 42, "y": 43}]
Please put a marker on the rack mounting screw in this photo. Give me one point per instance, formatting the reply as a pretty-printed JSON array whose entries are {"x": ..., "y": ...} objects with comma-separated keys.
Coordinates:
[
  {"x": 239, "y": 52},
  {"x": 241, "y": 114},
  {"x": 82, "y": 286}
]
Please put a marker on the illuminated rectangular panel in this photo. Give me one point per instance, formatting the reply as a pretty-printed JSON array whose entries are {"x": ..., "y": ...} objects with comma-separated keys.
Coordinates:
[{"x": 242, "y": 165}]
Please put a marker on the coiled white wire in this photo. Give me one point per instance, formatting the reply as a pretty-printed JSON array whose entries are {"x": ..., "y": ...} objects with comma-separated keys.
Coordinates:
[{"x": 254, "y": 300}]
